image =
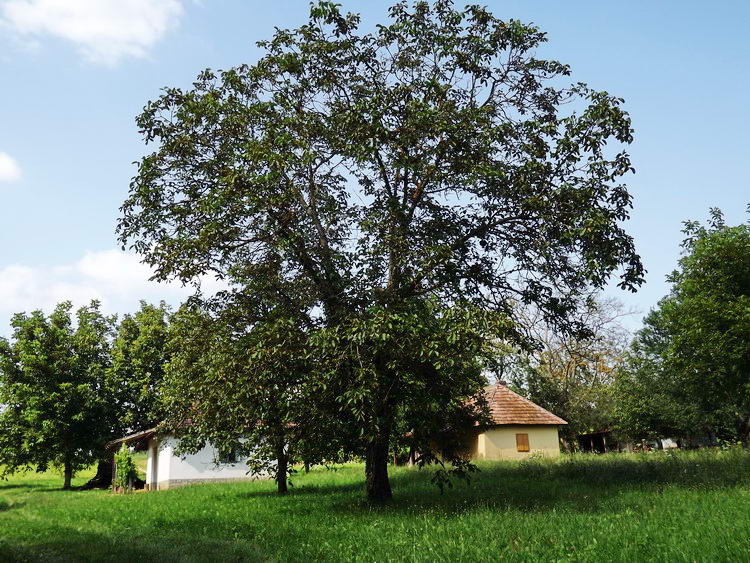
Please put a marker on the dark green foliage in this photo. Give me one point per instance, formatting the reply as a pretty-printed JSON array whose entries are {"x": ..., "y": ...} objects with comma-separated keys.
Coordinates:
[
  {"x": 649, "y": 402},
  {"x": 138, "y": 359},
  {"x": 70, "y": 385},
  {"x": 689, "y": 373},
  {"x": 52, "y": 388},
  {"x": 435, "y": 357},
  {"x": 347, "y": 175}
]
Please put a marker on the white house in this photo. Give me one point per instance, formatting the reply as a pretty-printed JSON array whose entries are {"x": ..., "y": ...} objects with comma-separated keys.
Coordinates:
[{"x": 165, "y": 469}]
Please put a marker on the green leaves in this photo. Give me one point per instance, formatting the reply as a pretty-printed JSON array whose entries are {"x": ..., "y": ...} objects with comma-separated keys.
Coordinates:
[
  {"x": 694, "y": 351},
  {"x": 357, "y": 180},
  {"x": 138, "y": 358},
  {"x": 52, "y": 381},
  {"x": 126, "y": 470}
]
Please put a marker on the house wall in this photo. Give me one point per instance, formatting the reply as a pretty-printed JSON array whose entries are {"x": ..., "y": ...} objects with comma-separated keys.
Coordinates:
[
  {"x": 499, "y": 442},
  {"x": 155, "y": 461},
  {"x": 173, "y": 471}
]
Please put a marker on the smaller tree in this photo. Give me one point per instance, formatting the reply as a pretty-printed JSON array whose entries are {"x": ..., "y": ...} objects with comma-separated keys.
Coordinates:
[
  {"x": 139, "y": 355},
  {"x": 648, "y": 402},
  {"x": 237, "y": 380},
  {"x": 52, "y": 382}
]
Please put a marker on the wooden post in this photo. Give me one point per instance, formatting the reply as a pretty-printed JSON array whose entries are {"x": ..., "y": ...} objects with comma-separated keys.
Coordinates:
[{"x": 114, "y": 474}]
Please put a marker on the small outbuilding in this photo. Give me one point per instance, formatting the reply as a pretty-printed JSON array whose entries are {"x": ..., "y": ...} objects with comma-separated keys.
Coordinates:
[
  {"x": 165, "y": 469},
  {"x": 519, "y": 428}
]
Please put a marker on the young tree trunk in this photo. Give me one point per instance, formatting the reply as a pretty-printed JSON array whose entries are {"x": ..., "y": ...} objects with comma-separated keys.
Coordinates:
[
  {"x": 376, "y": 468},
  {"x": 68, "y": 475},
  {"x": 566, "y": 446},
  {"x": 282, "y": 465}
]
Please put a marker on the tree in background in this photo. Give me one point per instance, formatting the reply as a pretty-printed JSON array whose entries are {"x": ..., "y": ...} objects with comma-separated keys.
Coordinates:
[
  {"x": 72, "y": 383},
  {"x": 572, "y": 375},
  {"x": 435, "y": 159},
  {"x": 52, "y": 377},
  {"x": 139, "y": 355},
  {"x": 693, "y": 354},
  {"x": 648, "y": 400}
]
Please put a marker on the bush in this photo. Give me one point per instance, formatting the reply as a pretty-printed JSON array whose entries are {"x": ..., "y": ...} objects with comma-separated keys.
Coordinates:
[{"x": 126, "y": 472}]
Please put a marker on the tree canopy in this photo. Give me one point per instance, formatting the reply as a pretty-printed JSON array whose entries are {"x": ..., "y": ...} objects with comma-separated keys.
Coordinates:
[
  {"x": 72, "y": 381},
  {"x": 139, "y": 355},
  {"x": 689, "y": 373},
  {"x": 243, "y": 387},
  {"x": 353, "y": 176},
  {"x": 52, "y": 373}
]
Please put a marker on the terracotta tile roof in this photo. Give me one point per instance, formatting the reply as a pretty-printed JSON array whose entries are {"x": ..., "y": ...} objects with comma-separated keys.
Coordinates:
[{"x": 507, "y": 407}]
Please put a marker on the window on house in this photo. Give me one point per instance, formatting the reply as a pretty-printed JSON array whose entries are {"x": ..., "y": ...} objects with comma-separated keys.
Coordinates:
[
  {"x": 229, "y": 456},
  {"x": 522, "y": 442}
]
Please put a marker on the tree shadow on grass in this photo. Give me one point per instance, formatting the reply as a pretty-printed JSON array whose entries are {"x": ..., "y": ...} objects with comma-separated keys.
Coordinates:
[
  {"x": 5, "y": 506},
  {"x": 579, "y": 483},
  {"x": 306, "y": 490},
  {"x": 36, "y": 486},
  {"x": 12, "y": 486},
  {"x": 414, "y": 493},
  {"x": 51, "y": 541}
]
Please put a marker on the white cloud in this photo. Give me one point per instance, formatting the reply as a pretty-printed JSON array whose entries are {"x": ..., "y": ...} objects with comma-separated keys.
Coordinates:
[
  {"x": 117, "y": 279},
  {"x": 9, "y": 169},
  {"x": 105, "y": 31}
]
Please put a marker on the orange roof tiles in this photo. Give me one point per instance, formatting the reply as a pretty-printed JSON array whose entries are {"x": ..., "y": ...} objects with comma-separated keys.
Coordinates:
[{"x": 507, "y": 407}]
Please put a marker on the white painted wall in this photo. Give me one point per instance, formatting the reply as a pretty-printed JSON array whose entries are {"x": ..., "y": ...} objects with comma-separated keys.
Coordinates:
[
  {"x": 155, "y": 461},
  {"x": 201, "y": 466}
]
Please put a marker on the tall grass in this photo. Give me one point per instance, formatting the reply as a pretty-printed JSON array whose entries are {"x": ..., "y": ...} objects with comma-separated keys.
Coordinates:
[{"x": 683, "y": 506}]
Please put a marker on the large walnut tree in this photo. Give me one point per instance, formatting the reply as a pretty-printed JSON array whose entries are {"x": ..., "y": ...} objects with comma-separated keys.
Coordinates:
[{"x": 433, "y": 160}]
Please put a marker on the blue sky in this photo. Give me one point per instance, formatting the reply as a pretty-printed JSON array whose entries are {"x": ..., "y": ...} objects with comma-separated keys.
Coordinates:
[{"x": 75, "y": 73}]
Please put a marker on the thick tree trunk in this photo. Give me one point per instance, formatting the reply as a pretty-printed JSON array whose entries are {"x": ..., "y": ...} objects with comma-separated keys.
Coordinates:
[
  {"x": 68, "y": 475},
  {"x": 282, "y": 465},
  {"x": 376, "y": 468},
  {"x": 103, "y": 477}
]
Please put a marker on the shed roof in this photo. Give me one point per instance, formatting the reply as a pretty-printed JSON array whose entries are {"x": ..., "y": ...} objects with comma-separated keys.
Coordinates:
[
  {"x": 507, "y": 407},
  {"x": 137, "y": 437}
]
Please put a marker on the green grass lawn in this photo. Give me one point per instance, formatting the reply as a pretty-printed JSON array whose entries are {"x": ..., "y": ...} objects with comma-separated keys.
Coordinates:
[{"x": 654, "y": 507}]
